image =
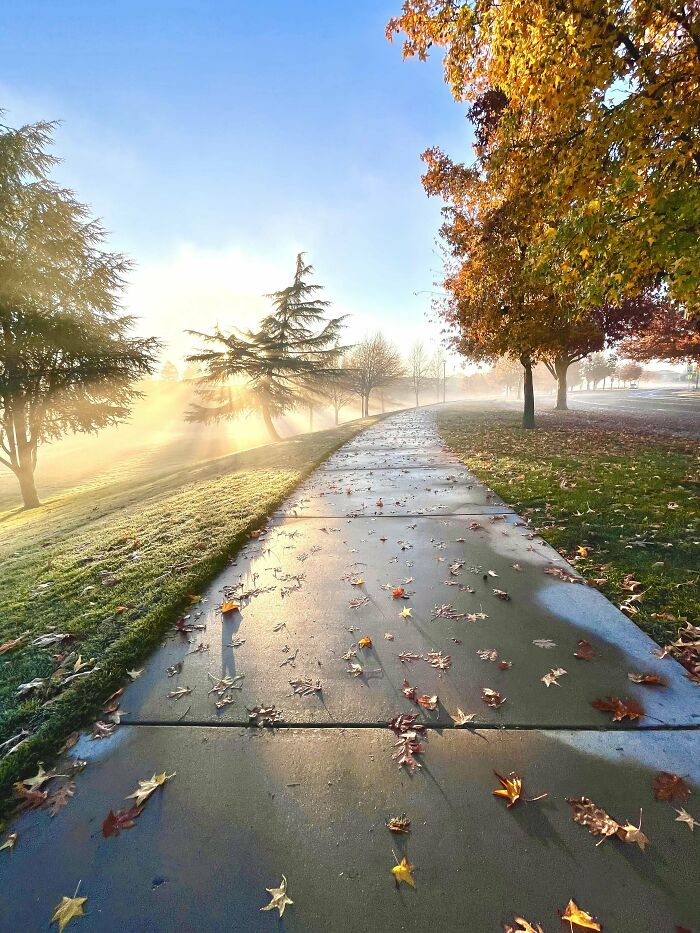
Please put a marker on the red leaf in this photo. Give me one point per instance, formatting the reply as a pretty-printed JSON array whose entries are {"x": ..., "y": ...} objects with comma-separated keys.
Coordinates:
[
  {"x": 669, "y": 786},
  {"x": 114, "y": 823},
  {"x": 621, "y": 709}
]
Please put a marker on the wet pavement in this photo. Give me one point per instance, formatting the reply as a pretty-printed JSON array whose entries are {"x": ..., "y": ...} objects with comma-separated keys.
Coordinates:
[{"x": 392, "y": 540}]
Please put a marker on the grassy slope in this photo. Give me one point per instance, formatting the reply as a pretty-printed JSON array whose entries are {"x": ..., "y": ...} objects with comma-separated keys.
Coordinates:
[
  {"x": 182, "y": 527},
  {"x": 635, "y": 502}
]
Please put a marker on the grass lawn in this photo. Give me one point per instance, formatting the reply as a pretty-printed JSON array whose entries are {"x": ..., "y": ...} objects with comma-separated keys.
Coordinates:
[
  {"x": 115, "y": 566},
  {"x": 629, "y": 500}
]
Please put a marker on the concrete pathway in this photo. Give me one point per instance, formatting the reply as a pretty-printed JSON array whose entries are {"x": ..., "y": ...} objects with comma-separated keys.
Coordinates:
[{"x": 491, "y": 607}]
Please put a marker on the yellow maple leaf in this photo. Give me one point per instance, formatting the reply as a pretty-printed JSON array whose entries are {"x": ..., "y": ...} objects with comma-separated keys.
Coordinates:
[
  {"x": 69, "y": 908},
  {"x": 511, "y": 788},
  {"x": 576, "y": 915},
  {"x": 405, "y": 613},
  {"x": 146, "y": 788},
  {"x": 229, "y": 606},
  {"x": 403, "y": 872}
]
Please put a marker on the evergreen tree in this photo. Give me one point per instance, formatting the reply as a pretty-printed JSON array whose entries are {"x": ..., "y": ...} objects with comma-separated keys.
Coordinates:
[
  {"x": 269, "y": 371},
  {"x": 67, "y": 361}
]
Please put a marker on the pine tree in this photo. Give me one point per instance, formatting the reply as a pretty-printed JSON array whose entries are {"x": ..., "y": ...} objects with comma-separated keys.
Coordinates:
[
  {"x": 294, "y": 354},
  {"x": 67, "y": 361}
]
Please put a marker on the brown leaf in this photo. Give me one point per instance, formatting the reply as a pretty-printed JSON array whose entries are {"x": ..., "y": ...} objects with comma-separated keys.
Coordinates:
[
  {"x": 492, "y": 697},
  {"x": 668, "y": 786},
  {"x": 398, "y": 824},
  {"x": 594, "y": 818},
  {"x": 649, "y": 680},
  {"x": 428, "y": 702},
  {"x": 61, "y": 797},
  {"x": 621, "y": 709},
  {"x": 408, "y": 691},
  {"x": 524, "y": 926},
  {"x": 114, "y": 823},
  {"x": 584, "y": 651}
]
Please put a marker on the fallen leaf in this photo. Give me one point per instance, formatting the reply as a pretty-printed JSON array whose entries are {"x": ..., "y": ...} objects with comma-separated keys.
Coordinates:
[
  {"x": 501, "y": 594},
  {"x": 9, "y": 843},
  {"x": 408, "y": 691},
  {"x": 398, "y": 592},
  {"x": 279, "y": 898},
  {"x": 180, "y": 692},
  {"x": 553, "y": 677},
  {"x": 398, "y": 824},
  {"x": 668, "y": 786},
  {"x": 685, "y": 817},
  {"x": 114, "y": 823},
  {"x": 428, "y": 702},
  {"x": 595, "y": 819},
  {"x": 524, "y": 926},
  {"x": 40, "y": 778},
  {"x": 492, "y": 697},
  {"x": 365, "y": 642},
  {"x": 621, "y": 709},
  {"x": 13, "y": 644},
  {"x": 134, "y": 674},
  {"x": 146, "y": 788},
  {"x": 403, "y": 872},
  {"x": 584, "y": 651},
  {"x": 544, "y": 643},
  {"x": 581, "y": 918},
  {"x": 631, "y": 833},
  {"x": 229, "y": 606},
  {"x": 67, "y": 910},
  {"x": 650, "y": 680},
  {"x": 61, "y": 798},
  {"x": 358, "y": 582},
  {"x": 406, "y": 612},
  {"x": 511, "y": 788},
  {"x": 460, "y": 718}
]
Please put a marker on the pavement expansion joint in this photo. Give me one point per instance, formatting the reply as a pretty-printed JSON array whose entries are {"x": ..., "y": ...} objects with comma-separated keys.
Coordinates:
[
  {"x": 429, "y": 726},
  {"x": 403, "y": 515}
]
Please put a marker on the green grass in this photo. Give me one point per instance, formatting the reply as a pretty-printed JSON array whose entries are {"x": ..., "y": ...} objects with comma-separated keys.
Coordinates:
[
  {"x": 632, "y": 498},
  {"x": 182, "y": 526}
]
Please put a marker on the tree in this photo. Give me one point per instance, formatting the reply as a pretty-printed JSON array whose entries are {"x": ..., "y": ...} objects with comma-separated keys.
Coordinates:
[
  {"x": 599, "y": 127},
  {"x": 340, "y": 390},
  {"x": 436, "y": 369},
  {"x": 629, "y": 372},
  {"x": 598, "y": 368},
  {"x": 668, "y": 336},
  {"x": 169, "y": 372},
  {"x": 506, "y": 373},
  {"x": 418, "y": 367},
  {"x": 271, "y": 370},
  {"x": 374, "y": 364},
  {"x": 67, "y": 360}
]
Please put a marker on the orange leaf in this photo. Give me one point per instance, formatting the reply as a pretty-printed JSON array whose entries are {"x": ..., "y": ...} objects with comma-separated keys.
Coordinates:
[
  {"x": 365, "y": 642},
  {"x": 621, "y": 709},
  {"x": 511, "y": 788},
  {"x": 229, "y": 606},
  {"x": 398, "y": 592},
  {"x": 576, "y": 915}
]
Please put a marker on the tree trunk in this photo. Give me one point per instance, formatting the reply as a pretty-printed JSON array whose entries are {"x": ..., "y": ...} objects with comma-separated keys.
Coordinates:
[
  {"x": 25, "y": 475},
  {"x": 561, "y": 367},
  {"x": 416, "y": 398},
  {"x": 528, "y": 393},
  {"x": 337, "y": 414},
  {"x": 311, "y": 417},
  {"x": 271, "y": 430}
]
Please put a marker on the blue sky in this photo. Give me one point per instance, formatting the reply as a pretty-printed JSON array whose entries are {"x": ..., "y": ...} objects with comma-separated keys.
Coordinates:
[{"x": 216, "y": 139}]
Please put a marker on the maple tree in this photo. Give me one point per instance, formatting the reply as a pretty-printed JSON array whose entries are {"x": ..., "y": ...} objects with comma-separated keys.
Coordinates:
[
  {"x": 292, "y": 356},
  {"x": 594, "y": 115},
  {"x": 669, "y": 335}
]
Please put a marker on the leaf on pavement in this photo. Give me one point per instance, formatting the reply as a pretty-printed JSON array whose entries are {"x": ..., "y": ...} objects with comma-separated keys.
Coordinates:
[
  {"x": 492, "y": 697},
  {"x": 408, "y": 691},
  {"x": 544, "y": 643},
  {"x": 365, "y": 642},
  {"x": 40, "y": 778},
  {"x": 146, "y": 788},
  {"x": 577, "y": 916},
  {"x": 278, "y": 898},
  {"x": 398, "y": 824},
  {"x": 621, "y": 709},
  {"x": 511, "y": 788},
  {"x": 553, "y": 677},
  {"x": 403, "y": 872},
  {"x": 600, "y": 823},
  {"x": 398, "y": 593},
  {"x": 685, "y": 817},
  {"x": 9, "y": 843},
  {"x": 584, "y": 651},
  {"x": 668, "y": 786},
  {"x": 649, "y": 680},
  {"x": 460, "y": 718},
  {"x": 524, "y": 926},
  {"x": 428, "y": 702},
  {"x": 69, "y": 908},
  {"x": 61, "y": 798},
  {"x": 114, "y": 823}
]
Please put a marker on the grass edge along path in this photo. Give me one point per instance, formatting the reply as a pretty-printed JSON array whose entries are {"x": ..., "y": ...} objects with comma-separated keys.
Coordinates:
[
  {"x": 622, "y": 505},
  {"x": 77, "y": 559}
]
